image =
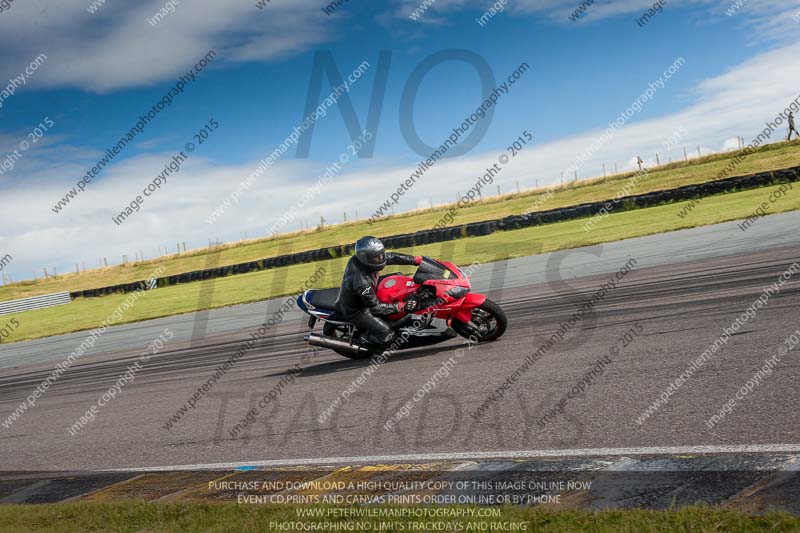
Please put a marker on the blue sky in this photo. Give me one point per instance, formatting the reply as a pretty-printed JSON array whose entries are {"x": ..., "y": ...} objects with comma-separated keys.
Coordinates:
[{"x": 105, "y": 69}]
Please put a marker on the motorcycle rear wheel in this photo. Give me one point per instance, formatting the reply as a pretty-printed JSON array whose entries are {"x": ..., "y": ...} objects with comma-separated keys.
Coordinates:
[{"x": 490, "y": 319}]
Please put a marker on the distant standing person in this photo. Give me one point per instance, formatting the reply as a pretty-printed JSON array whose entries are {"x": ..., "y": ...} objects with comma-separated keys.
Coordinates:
[{"x": 791, "y": 127}]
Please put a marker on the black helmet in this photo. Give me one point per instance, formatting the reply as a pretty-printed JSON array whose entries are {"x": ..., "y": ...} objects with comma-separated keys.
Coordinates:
[{"x": 371, "y": 253}]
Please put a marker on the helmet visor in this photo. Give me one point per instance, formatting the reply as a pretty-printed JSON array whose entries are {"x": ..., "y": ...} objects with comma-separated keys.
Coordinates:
[{"x": 376, "y": 258}]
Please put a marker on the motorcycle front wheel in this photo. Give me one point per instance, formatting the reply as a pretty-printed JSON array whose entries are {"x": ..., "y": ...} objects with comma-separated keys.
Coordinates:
[{"x": 489, "y": 319}]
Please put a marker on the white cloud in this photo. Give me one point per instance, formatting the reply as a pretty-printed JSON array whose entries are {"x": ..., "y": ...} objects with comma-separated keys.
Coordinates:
[
  {"x": 737, "y": 102},
  {"x": 771, "y": 19},
  {"x": 730, "y": 144},
  {"x": 117, "y": 48},
  {"x": 118, "y": 52}
]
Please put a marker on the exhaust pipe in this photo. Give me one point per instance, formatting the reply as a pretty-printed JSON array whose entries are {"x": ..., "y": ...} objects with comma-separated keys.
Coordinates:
[{"x": 334, "y": 344}]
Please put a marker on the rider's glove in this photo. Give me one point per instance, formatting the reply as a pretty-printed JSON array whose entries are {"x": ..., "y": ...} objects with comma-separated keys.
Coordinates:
[
  {"x": 417, "y": 259},
  {"x": 409, "y": 305}
]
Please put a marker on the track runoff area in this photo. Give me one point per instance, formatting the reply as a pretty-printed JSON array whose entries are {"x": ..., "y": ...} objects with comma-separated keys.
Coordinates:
[{"x": 680, "y": 374}]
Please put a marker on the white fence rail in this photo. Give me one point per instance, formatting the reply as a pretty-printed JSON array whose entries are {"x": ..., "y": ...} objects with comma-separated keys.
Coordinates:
[{"x": 36, "y": 302}]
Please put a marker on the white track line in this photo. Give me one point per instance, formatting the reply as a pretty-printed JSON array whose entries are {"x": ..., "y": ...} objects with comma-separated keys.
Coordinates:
[{"x": 461, "y": 456}]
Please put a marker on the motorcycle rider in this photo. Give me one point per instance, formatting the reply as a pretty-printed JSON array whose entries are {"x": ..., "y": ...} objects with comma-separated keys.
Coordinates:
[{"x": 357, "y": 300}]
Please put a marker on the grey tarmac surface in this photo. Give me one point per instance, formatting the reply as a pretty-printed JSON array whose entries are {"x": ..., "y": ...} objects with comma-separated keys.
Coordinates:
[
  {"x": 686, "y": 287},
  {"x": 668, "y": 248}
]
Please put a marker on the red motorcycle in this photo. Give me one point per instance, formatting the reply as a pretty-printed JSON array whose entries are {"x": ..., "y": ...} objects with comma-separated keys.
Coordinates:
[{"x": 447, "y": 309}]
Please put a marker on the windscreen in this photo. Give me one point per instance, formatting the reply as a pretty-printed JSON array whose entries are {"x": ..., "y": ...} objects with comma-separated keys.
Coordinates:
[{"x": 432, "y": 269}]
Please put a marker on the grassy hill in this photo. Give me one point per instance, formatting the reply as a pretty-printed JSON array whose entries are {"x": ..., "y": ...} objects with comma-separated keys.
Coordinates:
[
  {"x": 87, "y": 313},
  {"x": 698, "y": 170}
]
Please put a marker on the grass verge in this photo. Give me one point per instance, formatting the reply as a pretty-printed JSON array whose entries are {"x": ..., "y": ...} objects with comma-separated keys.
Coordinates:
[
  {"x": 132, "y": 516},
  {"x": 771, "y": 157},
  {"x": 84, "y": 314}
]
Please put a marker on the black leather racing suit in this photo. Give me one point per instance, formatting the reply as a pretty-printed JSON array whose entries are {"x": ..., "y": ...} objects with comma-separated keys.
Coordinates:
[{"x": 359, "y": 304}]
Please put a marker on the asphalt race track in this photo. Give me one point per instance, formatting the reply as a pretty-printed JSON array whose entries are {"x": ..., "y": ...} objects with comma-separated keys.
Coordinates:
[{"x": 685, "y": 288}]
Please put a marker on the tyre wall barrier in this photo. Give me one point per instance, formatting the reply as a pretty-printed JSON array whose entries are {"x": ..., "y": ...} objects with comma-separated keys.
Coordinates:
[{"x": 473, "y": 229}]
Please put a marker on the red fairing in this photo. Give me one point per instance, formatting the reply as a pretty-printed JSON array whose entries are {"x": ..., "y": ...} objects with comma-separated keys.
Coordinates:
[
  {"x": 393, "y": 289},
  {"x": 471, "y": 301},
  {"x": 397, "y": 288}
]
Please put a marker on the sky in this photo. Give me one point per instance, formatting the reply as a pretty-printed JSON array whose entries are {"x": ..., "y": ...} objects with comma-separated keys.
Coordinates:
[{"x": 699, "y": 72}]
